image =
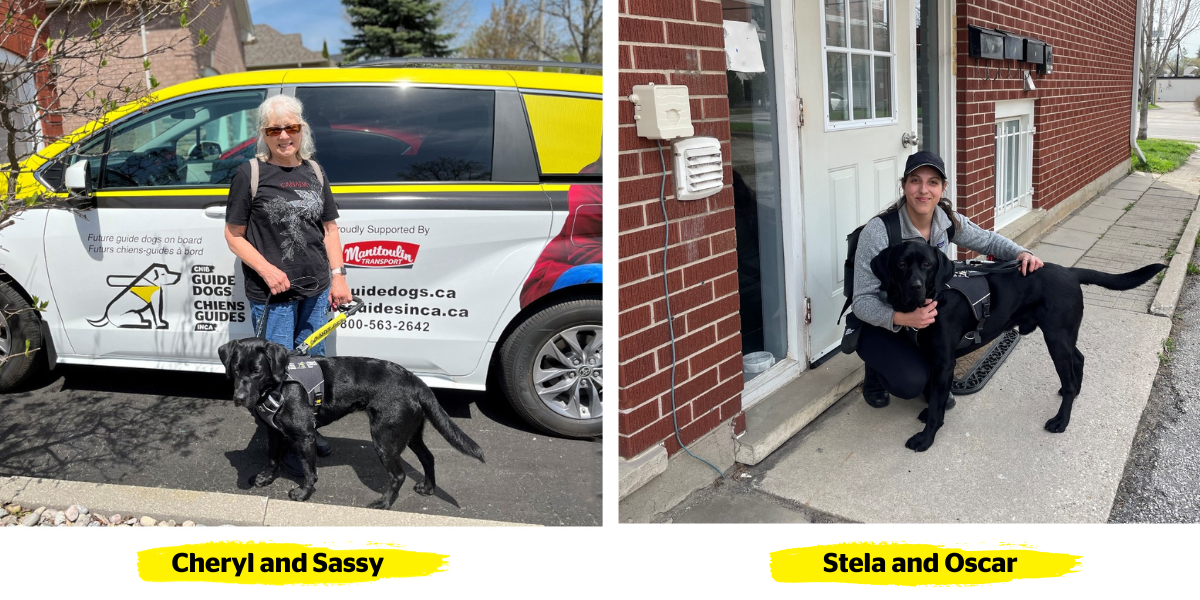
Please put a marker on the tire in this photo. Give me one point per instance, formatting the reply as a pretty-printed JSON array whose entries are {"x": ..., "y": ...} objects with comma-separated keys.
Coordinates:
[
  {"x": 568, "y": 401},
  {"x": 19, "y": 324}
]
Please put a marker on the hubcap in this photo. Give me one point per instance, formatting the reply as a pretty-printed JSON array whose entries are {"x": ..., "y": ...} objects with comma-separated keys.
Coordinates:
[
  {"x": 5, "y": 342},
  {"x": 567, "y": 372}
]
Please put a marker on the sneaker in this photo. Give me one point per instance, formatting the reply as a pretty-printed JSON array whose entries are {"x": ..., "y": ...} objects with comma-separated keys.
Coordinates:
[
  {"x": 873, "y": 391},
  {"x": 324, "y": 448}
]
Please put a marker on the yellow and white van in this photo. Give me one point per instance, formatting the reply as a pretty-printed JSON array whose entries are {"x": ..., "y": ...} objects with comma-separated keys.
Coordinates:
[{"x": 470, "y": 216}]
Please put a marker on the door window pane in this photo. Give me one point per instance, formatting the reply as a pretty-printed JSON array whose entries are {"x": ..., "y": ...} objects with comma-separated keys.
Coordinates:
[
  {"x": 880, "y": 28},
  {"x": 860, "y": 72},
  {"x": 389, "y": 134},
  {"x": 883, "y": 87},
  {"x": 835, "y": 23},
  {"x": 185, "y": 143},
  {"x": 839, "y": 106},
  {"x": 858, "y": 25}
]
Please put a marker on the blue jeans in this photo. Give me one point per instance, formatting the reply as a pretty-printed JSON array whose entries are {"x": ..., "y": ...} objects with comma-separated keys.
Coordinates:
[{"x": 288, "y": 323}]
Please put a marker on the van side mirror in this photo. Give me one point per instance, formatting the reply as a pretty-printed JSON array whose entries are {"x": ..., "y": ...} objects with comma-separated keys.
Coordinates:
[
  {"x": 79, "y": 186},
  {"x": 77, "y": 178}
]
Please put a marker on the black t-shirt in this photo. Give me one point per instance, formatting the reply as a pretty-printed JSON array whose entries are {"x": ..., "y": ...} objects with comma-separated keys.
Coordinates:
[{"x": 285, "y": 223}]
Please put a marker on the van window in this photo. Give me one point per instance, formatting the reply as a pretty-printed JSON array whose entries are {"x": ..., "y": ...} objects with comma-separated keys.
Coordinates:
[
  {"x": 386, "y": 134},
  {"x": 198, "y": 141},
  {"x": 566, "y": 132}
]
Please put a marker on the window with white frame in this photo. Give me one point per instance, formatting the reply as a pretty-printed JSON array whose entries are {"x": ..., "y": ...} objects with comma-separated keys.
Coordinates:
[
  {"x": 859, "y": 63},
  {"x": 1014, "y": 160},
  {"x": 18, "y": 97}
]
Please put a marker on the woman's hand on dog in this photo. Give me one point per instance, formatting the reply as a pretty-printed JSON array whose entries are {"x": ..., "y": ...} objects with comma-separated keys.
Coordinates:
[
  {"x": 918, "y": 319},
  {"x": 1029, "y": 263}
]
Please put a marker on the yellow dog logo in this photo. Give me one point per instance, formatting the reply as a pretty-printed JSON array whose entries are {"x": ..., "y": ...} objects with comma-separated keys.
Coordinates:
[{"x": 139, "y": 304}]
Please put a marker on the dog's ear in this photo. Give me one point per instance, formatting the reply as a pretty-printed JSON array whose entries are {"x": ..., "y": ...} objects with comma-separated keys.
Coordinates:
[
  {"x": 881, "y": 267},
  {"x": 944, "y": 273},
  {"x": 226, "y": 354},
  {"x": 278, "y": 356}
]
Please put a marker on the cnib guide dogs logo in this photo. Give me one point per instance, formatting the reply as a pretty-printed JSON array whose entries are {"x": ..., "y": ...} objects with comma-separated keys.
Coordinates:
[
  {"x": 139, "y": 301},
  {"x": 380, "y": 254}
]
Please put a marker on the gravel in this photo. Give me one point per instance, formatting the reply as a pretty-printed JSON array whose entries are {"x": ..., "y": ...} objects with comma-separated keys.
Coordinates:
[{"x": 14, "y": 515}]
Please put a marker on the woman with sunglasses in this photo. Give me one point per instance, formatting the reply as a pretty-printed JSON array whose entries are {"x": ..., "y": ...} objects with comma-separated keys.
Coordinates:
[{"x": 286, "y": 235}]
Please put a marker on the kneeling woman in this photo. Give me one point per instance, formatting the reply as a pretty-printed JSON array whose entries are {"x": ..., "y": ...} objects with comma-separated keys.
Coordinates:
[{"x": 893, "y": 363}]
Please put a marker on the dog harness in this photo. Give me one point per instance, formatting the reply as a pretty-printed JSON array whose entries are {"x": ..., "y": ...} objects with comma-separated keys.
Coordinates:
[
  {"x": 304, "y": 371},
  {"x": 970, "y": 280}
]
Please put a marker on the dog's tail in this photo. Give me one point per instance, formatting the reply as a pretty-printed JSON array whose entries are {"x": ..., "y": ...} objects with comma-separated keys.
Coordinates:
[
  {"x": 445, "y": 426},
  {"x": 101, "y": 322},
  {"x": 1118, "y": 281}
]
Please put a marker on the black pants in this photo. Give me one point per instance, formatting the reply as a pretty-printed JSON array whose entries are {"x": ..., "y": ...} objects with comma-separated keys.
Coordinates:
[{"x": 901, "y": 368}]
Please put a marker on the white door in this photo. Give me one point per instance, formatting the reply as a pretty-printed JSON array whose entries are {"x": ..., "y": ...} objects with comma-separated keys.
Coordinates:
[{"x": 855, "y": 77}]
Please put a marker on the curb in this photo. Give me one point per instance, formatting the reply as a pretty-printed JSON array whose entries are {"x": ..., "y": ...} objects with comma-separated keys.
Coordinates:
[
  {"x": 1167, "y": 296},
  {"x": 214, "y": 508}
]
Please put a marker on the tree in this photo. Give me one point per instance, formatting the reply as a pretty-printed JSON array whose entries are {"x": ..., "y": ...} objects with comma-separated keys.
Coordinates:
[
  {"x": 509, "y": 33},
  {"x": 394, "y": 28},
  {"x": 583, "y": 21},
  {"x": 1172, "y": 21},
  {"x": 75, "y": 62}
]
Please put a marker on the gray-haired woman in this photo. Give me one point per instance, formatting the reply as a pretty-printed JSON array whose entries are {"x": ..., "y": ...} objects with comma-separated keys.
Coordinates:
[{"x": 286, "y": 233}]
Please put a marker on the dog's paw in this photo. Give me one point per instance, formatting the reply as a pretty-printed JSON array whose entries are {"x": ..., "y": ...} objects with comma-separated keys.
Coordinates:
[
  {"x": 300, "y": 494},
  {"x": 923, "y": 416},
  {"x": 1057, "y": 424},
  {"x": 263, "y": 479},
  {"x": 423, "y": 488},
  {"x": 919, "y": 442}
]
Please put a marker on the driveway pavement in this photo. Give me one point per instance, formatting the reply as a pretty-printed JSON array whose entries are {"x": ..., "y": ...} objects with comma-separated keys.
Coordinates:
[
  {"x": 174, "y": 430},
  {"x": 1174, "y": 121}
]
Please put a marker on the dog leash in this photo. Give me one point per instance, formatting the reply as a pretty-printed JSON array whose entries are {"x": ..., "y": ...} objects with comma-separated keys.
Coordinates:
[
  {"x": 261, "y": 328},
  {"x": 345, "y": 311},
  {"x": 980, "y": 266}
]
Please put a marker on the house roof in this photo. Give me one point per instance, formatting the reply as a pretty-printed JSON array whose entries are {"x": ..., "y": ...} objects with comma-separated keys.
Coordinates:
[{"x": 274, "y": 50}]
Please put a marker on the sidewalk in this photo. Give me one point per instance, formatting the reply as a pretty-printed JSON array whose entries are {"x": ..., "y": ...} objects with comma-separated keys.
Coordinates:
[{"x": 993, "y": 461}]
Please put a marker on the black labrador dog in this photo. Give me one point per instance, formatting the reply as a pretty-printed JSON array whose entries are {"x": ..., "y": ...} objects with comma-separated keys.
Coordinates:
[
  {"x": 1050, "y": 298},
  {"x": 397, "y": 404}
]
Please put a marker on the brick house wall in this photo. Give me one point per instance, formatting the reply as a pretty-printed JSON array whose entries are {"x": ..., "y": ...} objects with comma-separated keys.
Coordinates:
[
  {"x": 18, "y": 42},
  {"x": 677, "y": 42},
  {"x": 1081, "y": 110},
  {"x": 185, "y": 61}
]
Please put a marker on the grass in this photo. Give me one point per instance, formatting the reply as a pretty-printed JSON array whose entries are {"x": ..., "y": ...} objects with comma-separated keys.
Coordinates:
[
  {"x": 1168, "y": 346},
  {"x": 1160, "y": 277},
  {"x": 1192, "y": 269},
  {"x": 1162, "y": 156},
  {"x": 1128, "y": 206}
]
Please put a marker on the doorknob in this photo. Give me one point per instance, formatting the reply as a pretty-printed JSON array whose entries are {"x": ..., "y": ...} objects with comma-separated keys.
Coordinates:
[
  {"x": 215, "y": 211},
  {"x": 909, "y": 139}
]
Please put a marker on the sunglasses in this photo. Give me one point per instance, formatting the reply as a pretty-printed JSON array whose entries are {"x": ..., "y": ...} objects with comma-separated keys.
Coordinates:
[{"x": 275, "y": 131}]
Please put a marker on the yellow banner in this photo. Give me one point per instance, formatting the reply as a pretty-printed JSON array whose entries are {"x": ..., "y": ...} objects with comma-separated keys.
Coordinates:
[
  {"x": 886, "y": 563},
  {"x": 267, "y": 563}
]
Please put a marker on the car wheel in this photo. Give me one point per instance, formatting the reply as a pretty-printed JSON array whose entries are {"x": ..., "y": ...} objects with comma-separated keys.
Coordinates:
[
  {"x": 20, "y": 329},
  {"x": 552, "y": 368}
]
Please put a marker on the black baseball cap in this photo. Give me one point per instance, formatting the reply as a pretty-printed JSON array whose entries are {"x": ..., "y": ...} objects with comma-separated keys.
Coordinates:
[{"x": 925, "y": 158}]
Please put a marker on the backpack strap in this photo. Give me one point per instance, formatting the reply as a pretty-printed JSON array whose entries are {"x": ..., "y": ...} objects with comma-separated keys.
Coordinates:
[
  {"x": 253, "y": 177},
  {"x": 891, "y": 221},
  {"x": 317, "y": 169}
]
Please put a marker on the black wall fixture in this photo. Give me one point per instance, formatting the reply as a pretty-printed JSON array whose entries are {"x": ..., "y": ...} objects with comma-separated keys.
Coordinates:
[
  {"x": 1047, "y": 66},
  {"x": 1035, "y": 51},
  {"x": 1014, "y": 45},
  {"x": 984, "y": 43}
]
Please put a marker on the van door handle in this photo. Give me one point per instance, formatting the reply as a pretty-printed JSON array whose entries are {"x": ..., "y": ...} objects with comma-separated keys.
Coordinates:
[{"x": 215, "y": 211}]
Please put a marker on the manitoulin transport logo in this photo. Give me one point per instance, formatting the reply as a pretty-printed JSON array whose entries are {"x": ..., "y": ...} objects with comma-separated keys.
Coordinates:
[{"x": 380, "y": 254}]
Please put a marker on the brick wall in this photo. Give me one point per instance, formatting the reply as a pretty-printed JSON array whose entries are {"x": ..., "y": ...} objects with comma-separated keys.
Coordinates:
[
  {"x": 1081, "y": 110},
  {"x": 184, "y": 61},
  {"x": 676, "y": 42},
  {"x": 17, "y": 39}
]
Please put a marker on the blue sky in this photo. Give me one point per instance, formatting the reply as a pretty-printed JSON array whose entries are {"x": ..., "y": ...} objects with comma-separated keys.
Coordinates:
[{"x": 317, "y": 20}]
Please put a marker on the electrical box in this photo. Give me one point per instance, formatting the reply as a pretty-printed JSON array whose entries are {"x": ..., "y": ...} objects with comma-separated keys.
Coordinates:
[
  {"x": 662, "y": 112},
  {"x": 698, "y": 169}
]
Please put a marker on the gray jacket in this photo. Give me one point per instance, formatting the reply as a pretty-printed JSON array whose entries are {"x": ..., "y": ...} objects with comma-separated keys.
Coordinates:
[{"x": 870, "y": 302}]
